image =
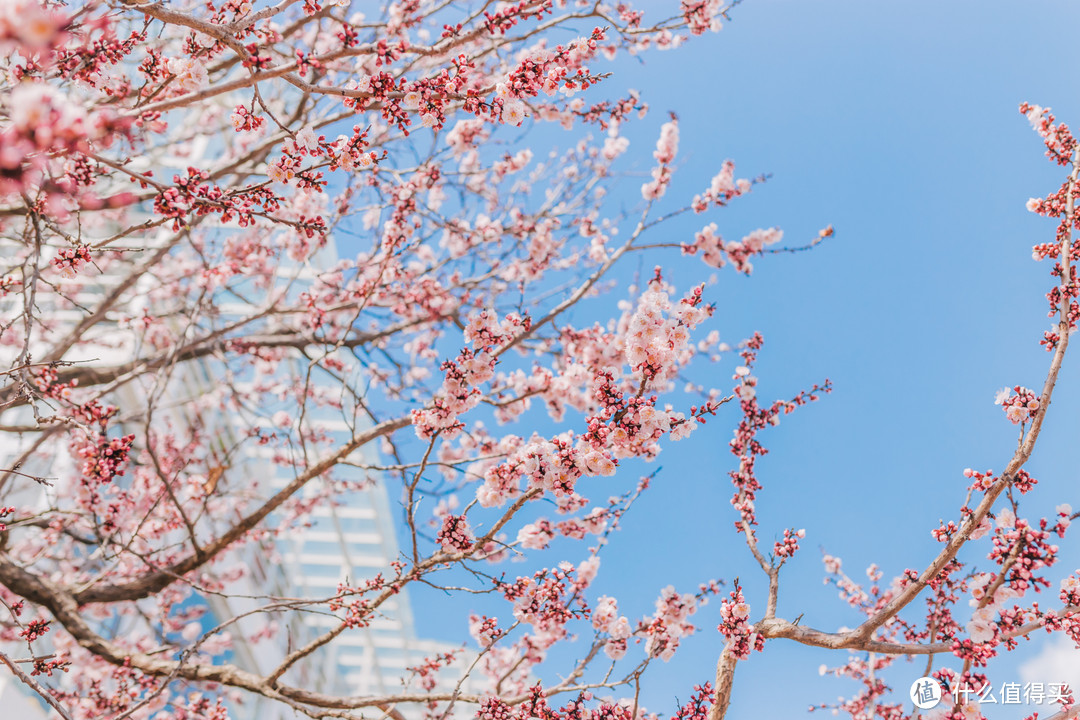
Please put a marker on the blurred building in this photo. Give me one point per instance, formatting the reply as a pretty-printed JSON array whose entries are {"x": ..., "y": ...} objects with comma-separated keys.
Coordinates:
[
  {"x": 351, "y": 539},
  {"x": 18, "y": 701}
]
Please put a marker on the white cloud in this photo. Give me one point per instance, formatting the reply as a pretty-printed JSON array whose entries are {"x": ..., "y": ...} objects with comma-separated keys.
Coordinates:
[{"x": 1058, "y": 662}]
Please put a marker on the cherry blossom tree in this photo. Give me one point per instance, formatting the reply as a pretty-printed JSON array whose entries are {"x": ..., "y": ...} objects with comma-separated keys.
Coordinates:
[{"x": 172, "y": 178}]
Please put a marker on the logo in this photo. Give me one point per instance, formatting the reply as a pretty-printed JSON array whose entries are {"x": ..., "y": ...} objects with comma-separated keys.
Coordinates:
[{"x": 925, "y": 693}]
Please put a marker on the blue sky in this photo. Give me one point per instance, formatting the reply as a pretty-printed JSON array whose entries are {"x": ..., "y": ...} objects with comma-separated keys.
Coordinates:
[{"x": 897, "y": 123}]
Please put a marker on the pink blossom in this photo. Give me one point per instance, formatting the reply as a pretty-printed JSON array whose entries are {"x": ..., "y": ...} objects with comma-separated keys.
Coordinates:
[
  {"x": 307, "y": 139},
  {"x": 190, "y": 74},
  {"x": 513, "y": 112}
]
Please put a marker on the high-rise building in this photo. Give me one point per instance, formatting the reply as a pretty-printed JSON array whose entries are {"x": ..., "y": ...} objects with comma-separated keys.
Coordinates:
[{"x": 349, "y": 539}]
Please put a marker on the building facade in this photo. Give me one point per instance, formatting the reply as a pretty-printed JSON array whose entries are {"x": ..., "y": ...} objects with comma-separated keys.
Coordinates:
[{"x": 348, "y": 540}]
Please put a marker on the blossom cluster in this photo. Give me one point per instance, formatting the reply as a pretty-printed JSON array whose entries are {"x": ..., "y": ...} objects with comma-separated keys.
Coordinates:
[
  {"x": 45, "y": 125},
  {"x": 105, "y": 458},
  {"x": 722, "y": 189},
  {"x": 702, "y": 15},
  {"x": 735, "y": 625},
  {"x": 659, "y": 334},
  {"x": 544, "y": 603},
  {"x": 1059, "y": 140},
  {"x": 671, "y": 621},
  {"x": 606, "y": 619},
  {"x": 666, "y": 147},
  {"x": 474, "y": 365},
  {"x": 717, "y": 253},
  {"x": 983, "y": 624},
  {"x": 1019, "y": 405},
  {"x": 790, "y": 544},
  {"x": 31, "y": 27},
  {"x": 485, "y": 630},
  {"x": 745, "y": 445},
  {"x": 455, "y": 535}
]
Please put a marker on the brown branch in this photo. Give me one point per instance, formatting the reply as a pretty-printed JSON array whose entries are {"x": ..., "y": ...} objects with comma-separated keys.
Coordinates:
[
  {"x": 88, "y": 376},
  {"x": 35, "y": 686},
  {"x": 160, "y": 579},
  {"x": 1020, "y": 457},
  {"x": 725, "y": 680}
]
